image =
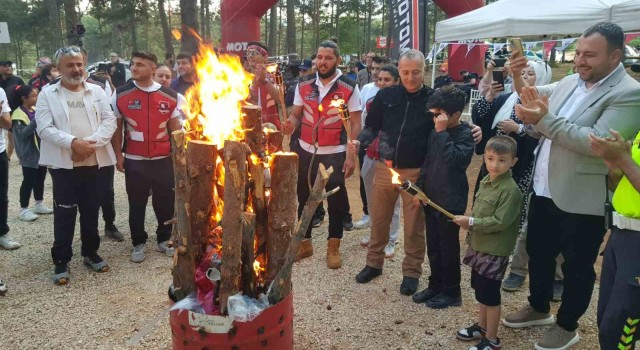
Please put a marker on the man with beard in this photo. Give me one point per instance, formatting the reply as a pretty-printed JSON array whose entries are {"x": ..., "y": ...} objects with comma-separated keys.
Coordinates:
[
  {"x": 323, "y": 134},
  {"x": 151, "y": 113},
  {"x": 186, "y": 74},
  {"x": 75, "y": 123}
]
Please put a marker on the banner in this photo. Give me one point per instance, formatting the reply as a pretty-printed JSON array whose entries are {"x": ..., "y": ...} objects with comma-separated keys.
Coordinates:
[
  {"x": 565, "y": 43},
  {"x": 430, "y": 55},
  {"x": 454, "y": 48},
  {"x": 630, "y": 36},
  {"x": 548, "y": 45},
  {"x": 528, "y": 45},
  {"x": 469, "y": 48},
  {"x": 497, "y": 47},
  {"x": 381, "y": 42},
  {"x": 408, "y": 26}
]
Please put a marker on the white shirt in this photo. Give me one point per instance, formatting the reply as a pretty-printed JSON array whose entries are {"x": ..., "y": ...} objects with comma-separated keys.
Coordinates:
[
  {"x": 353, "y": 105},
  {"x": 176, "y": 113},
  {"x": 4, "y": 108},
  {"x": 541, "y": 173},
  {"x": 368, "y": 92},
  {"x": 52, "y": 117},
  {"x": 79, "y": 122}
]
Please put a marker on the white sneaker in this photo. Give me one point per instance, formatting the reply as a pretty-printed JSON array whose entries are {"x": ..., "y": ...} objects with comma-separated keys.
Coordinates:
[
  {"x": 365, "y": 222},
  {"x": 3, "y": 288},
  {"x": 41, "y": 208},
  {"x": 137, "y": 256},
  {"x": 7, "y": 243},
  {"x": 390, "y": 250},
  {"x": 28, "y": 215},
  {"x": 164, "y": 248},
  {"x": 365, "y": 241}
]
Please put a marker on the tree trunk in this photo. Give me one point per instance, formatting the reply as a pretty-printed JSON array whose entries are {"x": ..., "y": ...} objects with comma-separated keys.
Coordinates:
[
  {"x": 53, "y": 8},
  {"x": 166, "y": 31},
  {"x": 203, "y": 31},
  {"x": 235, "y": 181},
  {"x": 273, "y": 28},
  {"x": 389, "y": 29},
  {"x": 368, "y": 30},
  {"x": 189, "y": 20},
  {"x": 291, "y": 26},
  {"x": 71, "y": 20},
  {"x": 133, "y": 28},
  {"x": 201, "y": 157},
  {"x": 248, "y": 256},
  {"x": 252, "y": 124}
]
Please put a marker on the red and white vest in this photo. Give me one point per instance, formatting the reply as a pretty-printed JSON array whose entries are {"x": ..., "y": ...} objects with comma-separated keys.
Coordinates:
[
  {"x": 330, "y": 131},
  {"x": 267, "y": 104},
  {"x": 146, "y": 113}
]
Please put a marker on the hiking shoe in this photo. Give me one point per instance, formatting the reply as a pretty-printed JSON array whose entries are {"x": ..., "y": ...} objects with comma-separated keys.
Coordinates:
[
  {"x": 390, "y": 250},
  {"x": 365, "y": 222},
  {"x": 557, "y": 338},
  {"x": 558, "y": 288},
  {"x": 443, "y": 301},
  {"x": 28, "y": 215},
  {"x": 513, "y": 282},
  {"x": 527, "y": 317},
  {"x": 96, "y": 263},
  {"x": 409, "y": 285},
  {"x": 471, "y": 333},
  {"x": 61, "y": 275},
  {"x": 424, "y": 295},
  {"x": 347, "y": 222},
  {"x": 367, "y": 274},
  {"x": 486, "y": 344},
  {"x": 8, "y": 243},
  {"x": 3, "y": 288},
  {"x": 164, "y": 248},
  {"x": 305, "y": 249},
  {"x": 365, "y": 241},
  {"x": 111, "y": 231},
  {"x": 137, "y": 256},
  {"x": 41, "y": 208}
]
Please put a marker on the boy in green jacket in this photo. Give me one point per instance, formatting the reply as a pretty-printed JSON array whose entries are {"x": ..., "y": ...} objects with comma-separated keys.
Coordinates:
[{"x": 493, "y": 227}]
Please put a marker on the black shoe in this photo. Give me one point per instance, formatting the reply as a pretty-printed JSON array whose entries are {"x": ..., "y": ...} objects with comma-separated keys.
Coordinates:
[
  {"x": 409, "y": 285},
  {"x": 443, "y": 301},
  {"x": 347, "y": 223},
  {"x": 111, "y": 231},
  {"x": 424, "y": 295},
  {"x": 367, "y": 274},
  {"x": 315, "y": 222}
]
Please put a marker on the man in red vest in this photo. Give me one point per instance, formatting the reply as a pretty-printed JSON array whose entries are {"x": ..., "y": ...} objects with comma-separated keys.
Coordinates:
[
  {"x": 322, "y": 133},
  {"x": 150, "y": 113},
  {"x": 264, "y": 93}
]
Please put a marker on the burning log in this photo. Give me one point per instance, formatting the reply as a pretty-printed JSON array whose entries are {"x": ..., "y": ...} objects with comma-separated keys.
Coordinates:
[
  {"x": 201, "y": 157},
  {"x": 248, "y": 256},
  {"x": 256, "y": 169},
  {"x": 252, "y": 124},
  {"x": 281, "y": 285},
  {"x": 274, "y": 141},
  {"x": 183, "y": 259},
  {"x": 283, "y": 209},
  {"x": 235, "y": 165}
]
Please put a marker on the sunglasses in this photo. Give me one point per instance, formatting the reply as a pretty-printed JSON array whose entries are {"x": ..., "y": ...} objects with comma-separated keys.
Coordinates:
[{"x": 67, "y": 50}]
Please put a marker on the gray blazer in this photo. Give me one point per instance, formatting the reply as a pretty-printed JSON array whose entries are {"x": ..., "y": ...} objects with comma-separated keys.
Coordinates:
[{"x": 576, "y": 177}]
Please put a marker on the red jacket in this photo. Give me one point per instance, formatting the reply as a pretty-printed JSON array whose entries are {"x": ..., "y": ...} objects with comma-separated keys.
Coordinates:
[
  {"x": 268, "y": 105},
  {"x": 146, "y": 115},
  {"x": 330, "y": 132}
]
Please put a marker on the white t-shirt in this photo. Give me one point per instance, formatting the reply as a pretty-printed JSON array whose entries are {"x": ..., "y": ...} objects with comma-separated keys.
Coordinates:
[
  {"x": 367, "y": 94},
  {"x": 353, "y": 105},
  {"x": 79, "y": 122},
  {"x": 4, "y": 108}
]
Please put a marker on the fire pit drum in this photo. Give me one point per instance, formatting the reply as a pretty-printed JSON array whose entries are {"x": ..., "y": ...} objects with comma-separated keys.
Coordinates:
[{"x": 272, "y": 329}]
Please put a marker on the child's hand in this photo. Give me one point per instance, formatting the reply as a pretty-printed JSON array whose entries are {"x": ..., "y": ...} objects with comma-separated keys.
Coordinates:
[
  {"x": 441, "y": 121},
  {"x": 462, "y": 221}
]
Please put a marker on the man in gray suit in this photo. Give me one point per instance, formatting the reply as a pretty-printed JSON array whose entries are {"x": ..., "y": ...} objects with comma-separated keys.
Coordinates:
[{"x": 566, "y": 212}]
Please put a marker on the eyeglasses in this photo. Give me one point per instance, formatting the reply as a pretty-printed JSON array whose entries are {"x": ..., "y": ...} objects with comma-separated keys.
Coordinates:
[
  {"x": 67, "y": 50},
  {"x": 253, "y": 53}
]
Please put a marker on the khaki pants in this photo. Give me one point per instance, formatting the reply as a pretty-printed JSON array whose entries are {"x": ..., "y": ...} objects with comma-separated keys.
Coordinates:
[{"x": 384, "y": 198}]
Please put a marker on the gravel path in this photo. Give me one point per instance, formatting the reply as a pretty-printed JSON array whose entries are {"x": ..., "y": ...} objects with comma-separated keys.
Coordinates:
[{"x": 103, "y": 311}]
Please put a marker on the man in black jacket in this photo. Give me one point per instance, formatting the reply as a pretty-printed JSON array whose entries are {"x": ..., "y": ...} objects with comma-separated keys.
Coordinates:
[{"x": 400, "y": 117}]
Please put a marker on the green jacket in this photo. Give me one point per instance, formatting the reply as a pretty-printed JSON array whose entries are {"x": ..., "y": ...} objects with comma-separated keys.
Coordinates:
[{"x": 496, "y": 215}]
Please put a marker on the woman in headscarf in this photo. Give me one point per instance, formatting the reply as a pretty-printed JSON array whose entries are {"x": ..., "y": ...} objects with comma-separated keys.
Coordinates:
[{"x": 495, "y": 113}]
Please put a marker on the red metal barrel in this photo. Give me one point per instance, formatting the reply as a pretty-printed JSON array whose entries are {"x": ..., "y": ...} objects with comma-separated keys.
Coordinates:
[{"x": 272, "y": 329}]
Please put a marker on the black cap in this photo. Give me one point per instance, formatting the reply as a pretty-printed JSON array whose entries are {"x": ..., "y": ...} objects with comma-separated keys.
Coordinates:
[
  {"x": 305, "y": 65},
  {"x": 6, "y": 63}
]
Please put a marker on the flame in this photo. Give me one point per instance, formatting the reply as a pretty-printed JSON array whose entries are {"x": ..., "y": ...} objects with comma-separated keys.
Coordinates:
[
  {"x": 337, "y": 103},
  {"x": 216, "y": 99},
  {"x": 395, "y": 179},
  {"x": 176, "y": 34},
  {"x": 272, "y": 68},
  {"x": 254, "y": 159},
  {"x": 320, "y": 108}
]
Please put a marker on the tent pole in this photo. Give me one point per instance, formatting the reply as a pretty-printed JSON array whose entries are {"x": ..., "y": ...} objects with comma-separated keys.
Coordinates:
[{"x": 433, "y": 69}]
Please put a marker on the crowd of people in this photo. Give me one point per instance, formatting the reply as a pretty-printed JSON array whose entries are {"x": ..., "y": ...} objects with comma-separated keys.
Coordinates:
[{"x": 540, "y": 206}]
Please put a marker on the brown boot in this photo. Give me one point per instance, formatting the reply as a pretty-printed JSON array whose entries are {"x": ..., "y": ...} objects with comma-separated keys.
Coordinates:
[
  {"x": 334, "y": 260},
  {"x": 305, "y": 249}
]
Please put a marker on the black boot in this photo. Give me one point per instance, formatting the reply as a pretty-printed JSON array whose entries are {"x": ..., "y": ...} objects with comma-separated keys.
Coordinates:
[
  {"x": 409, "y": 285},
  {"x": 367, "y": 274}
]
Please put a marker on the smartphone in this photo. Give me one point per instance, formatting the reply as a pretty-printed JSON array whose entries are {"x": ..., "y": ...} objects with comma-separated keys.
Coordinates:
[
  {"x": 516, "y": 46},
  {"x": 498, "y": 77}
]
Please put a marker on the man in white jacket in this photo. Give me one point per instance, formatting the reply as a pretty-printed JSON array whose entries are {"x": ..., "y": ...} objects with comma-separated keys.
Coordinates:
[{"x": 75, "y": 123}]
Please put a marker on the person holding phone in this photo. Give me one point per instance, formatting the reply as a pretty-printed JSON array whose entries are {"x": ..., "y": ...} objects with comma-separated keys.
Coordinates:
[{"x": 497, "y": 71}]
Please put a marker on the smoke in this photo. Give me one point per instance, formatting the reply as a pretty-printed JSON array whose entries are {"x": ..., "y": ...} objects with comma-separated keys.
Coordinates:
[{"x": 385, "y": 147}]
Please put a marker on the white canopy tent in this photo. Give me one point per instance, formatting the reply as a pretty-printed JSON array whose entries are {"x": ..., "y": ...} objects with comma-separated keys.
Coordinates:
[{"x": 525, "y": 17}]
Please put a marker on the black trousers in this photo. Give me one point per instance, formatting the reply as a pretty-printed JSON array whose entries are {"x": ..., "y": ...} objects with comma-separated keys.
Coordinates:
[
  {"x": 443, "y": 251},
  {"x": 142, "y": 176},
  {"x": 338, "y": 203},
  {"x": 32, "y": 181},
  {"x": 578, "y": 237},
  {"x": 107, "y": 194},
  {"x": 363, "y": 193},
  {"x": 74, "y": 190},
  {"x": 619, "y": 302},
  {"x": 4, "y": 193}
]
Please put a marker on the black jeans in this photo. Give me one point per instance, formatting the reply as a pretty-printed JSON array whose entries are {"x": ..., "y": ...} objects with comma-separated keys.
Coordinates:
[
  {"x": 4, "y": 196},
  {"x": 443, "y": 251},
  {"x": 619, "y": 303},
  {"x": 142, "y": 176},
  {"x": 107, "y": 194},
  {"x": 32, "y": 181},
  {"x": 74, "y": 190},
  {"x": 578, "y": 237},
  {"x": 363, "y": 193},
  {"x": 338, "y": 203}
]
